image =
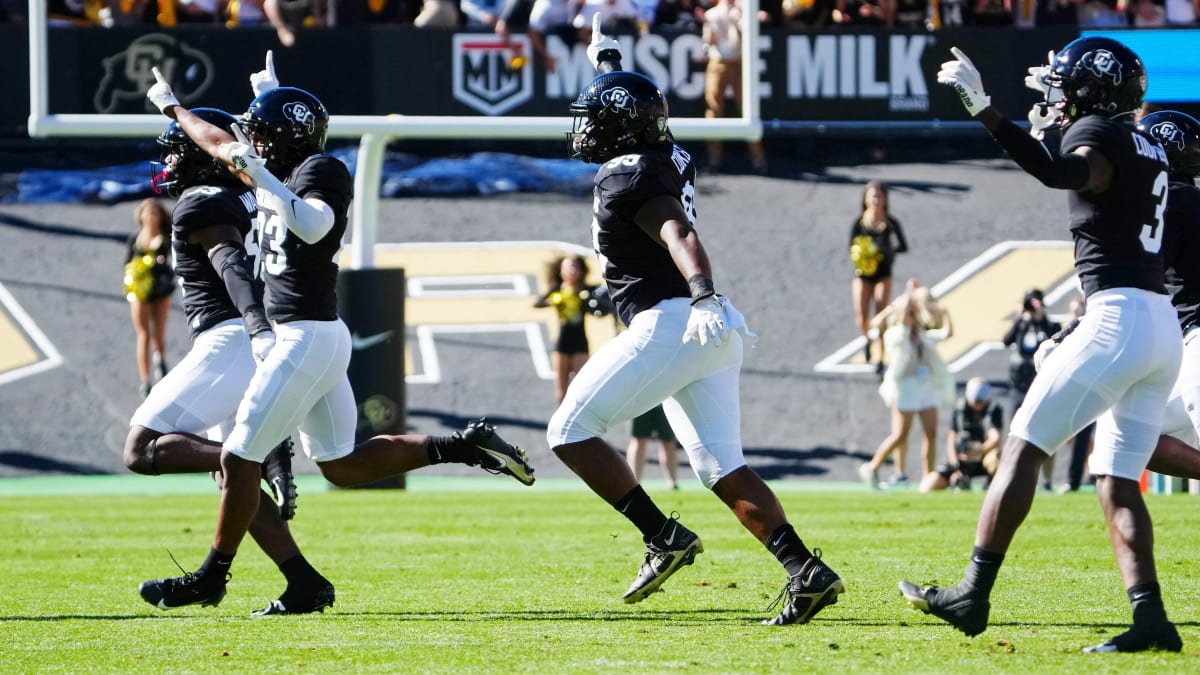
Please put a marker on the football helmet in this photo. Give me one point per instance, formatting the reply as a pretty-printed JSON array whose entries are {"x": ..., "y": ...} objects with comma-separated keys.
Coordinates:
[
  {"x": 286, "y": 124},
  {"x": 1095, "y": 75},
  {"x": 1179, "y": 134},
  {"x": 615, "y": 113},
  {"x": 184, "y": 164}
]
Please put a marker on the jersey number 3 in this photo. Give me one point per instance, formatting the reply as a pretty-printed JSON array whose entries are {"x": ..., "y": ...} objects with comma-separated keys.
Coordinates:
[{"x": 1151, "y": 236}]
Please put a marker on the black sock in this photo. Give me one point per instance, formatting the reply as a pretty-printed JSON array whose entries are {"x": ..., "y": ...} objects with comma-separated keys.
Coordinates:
[
  {"x": 446, "y": 450},
  {"x": 297, "y": 571},
  {"x": 1147, "y": 604},
  {"x": 642, "y": 512},
  {"x": 788, "y": 549},
  {"x": 216, "y": 563},
  {"x": 981, "y": 571}
]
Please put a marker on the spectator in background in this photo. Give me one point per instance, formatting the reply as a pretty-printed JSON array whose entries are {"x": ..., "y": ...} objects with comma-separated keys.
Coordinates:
[
  {"x": 1182, "y": 12},
  {"x": 149, "y": 282},
  {"x": 875, "y": 239},
  {"x": 860, "y": 12},
  {"x": 1058, "y": 12},
  {"x": 973, "y": 444},
  {"x": 916, "y": 380},
  {"x": 652, "y": 425},
  {"x": 618, "y": 17},
  {"x": 1101, "y": 14},
  {"x": 722, "y": 35},
  {"x": 437, "y": 14},
  {"x": 1144, "y": 13},
  {"x": 908, "y": 14},
  {"x": 807, "y": 12},
  {"x": 1030, "y": 328},
  {"x": 552, "y": 17},
  {"x": 947, "y": 14},
  {"x": 481, "y": 13},
  {"x": 572, "y": 299},
  {"x": 683, "y": 15},
  {"x": 993, "y": 13}
]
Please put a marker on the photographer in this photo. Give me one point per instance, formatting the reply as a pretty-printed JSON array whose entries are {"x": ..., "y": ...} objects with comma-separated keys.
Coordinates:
[{"x": 973, "y": 445}]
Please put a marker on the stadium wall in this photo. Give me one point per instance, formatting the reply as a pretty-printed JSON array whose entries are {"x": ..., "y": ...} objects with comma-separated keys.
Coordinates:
[{"x": 811, "y": 81}]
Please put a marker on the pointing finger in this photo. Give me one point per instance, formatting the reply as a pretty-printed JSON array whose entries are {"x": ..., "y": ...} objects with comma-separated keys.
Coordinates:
[
  {"x": 958, "y": 54},
  {"x": 158, "y": 76},
  {"x": 595, "y": 26},
  {"x": 271, "y": 63}
]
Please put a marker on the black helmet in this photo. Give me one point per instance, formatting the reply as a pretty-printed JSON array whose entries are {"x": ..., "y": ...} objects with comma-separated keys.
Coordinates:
[
  {"x": 615, "y": 113},
  {"x": 182, "y": 164},
  {"x": 1098, "y": 75},
  {"x": 1179, "y": 134},
  {"x": 290, "y": 123}
]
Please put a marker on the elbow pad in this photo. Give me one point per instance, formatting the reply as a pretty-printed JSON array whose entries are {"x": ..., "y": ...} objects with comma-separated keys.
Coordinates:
[
  {"x": 1063, "y": 172},
  {"x": 229, "y": 260},
  {"x": 309, "y": 220}
]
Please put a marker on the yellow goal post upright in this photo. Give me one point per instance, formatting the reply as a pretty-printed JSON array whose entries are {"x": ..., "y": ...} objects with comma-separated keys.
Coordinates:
[{"x": 375, "y": 131}]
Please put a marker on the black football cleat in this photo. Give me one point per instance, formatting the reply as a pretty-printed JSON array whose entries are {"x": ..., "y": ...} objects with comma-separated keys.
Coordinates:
[
  {"x": 967, "y": 612},
  {"x": 1142, "y": 637},
  {"x": 494, "y": 454},
  {"x": 814, "y": 588},
  {"x": 189, "y": 589},
  {"x": 305, "y": 601},
  {"x": 672, "y": 548},
  {"x": 277, "y": 472}
]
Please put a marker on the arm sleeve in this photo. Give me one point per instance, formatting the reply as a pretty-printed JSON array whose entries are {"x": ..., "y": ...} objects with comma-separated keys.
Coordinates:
[
  {"x": 310, "y": 221},
  {"x": 1061, "y": 171},
  {"x": 901, "y": 242},
  {"x": 229, "y": 260},
  {"x": 1062, "y": 334}
]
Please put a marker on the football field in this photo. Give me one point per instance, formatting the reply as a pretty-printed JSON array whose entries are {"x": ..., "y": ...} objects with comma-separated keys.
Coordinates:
[{"x": 457, "y": 575}]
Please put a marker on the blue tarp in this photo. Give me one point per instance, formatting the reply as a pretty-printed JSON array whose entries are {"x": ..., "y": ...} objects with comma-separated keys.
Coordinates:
[{"x": 404, "y": 175}]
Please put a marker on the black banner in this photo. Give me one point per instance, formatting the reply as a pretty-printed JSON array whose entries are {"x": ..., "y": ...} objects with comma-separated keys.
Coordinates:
[{"x": 805, "y": 76}]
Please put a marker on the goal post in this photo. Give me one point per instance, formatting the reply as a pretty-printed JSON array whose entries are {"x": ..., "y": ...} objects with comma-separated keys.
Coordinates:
[{"x": 376, "y": 131}]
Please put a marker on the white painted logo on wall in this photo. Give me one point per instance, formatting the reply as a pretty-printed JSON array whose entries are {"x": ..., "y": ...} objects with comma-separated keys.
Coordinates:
[{"x": 482, "y": 76}]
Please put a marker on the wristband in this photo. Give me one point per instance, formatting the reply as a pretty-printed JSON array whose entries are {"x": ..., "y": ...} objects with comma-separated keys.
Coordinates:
[
  {"x": 256, "y": 321},
  {"x": 701, "y": 287}
]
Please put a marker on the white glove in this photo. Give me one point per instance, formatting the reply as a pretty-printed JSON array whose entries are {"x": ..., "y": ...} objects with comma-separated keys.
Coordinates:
[
  {"x": 265, "y": 79},
  {"x": 243, "y": 158},
  {"x": 261, "y": 345},
  {"x": 600, "y": 43},
  {"x": 964, "y": 77},
  {"x": 706, "y": 323},
  {"x": 1041, "y": 118},
  {"x": 1043, "y": 351},
  {"x": 160, "y": 94},
  {"x": 1036, "y": 79}
]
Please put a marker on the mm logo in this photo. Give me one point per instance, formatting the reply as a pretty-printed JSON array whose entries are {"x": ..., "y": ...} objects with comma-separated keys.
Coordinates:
[{"x": 483, "y": 77}]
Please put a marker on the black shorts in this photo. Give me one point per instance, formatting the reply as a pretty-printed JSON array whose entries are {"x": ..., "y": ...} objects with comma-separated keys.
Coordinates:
[{"x": 653, "y": 424}]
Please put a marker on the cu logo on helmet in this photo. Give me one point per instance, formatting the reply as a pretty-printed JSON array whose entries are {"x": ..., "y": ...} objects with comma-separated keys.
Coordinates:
[
  {"x": 1102, "y": 63},
  {"x": 1168, "y": 133},
  {"x": 299, "y": 113},
  {"x": 618, "y": 99}
]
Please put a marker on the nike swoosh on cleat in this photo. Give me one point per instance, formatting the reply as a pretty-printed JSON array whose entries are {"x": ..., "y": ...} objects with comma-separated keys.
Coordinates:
[
  {"x": 358, "y": 342},
  {"x": 671, "y": 540},
  {"x": 501, "y": 463}
]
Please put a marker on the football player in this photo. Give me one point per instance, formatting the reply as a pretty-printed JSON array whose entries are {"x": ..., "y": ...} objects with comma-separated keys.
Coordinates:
[
  {"x": 1179, "y": 134},
  {"x": 683, "y": 346},
  {"x": 1120, "y": 362},
  {"x": 301, "y": 381},
  {"x": 224, "y": 308}
]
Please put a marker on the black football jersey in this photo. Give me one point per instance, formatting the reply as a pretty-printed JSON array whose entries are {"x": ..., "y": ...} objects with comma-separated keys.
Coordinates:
[
  {"x": 1181, "y": 249},
  {"x": 1118, "y": 234},
  {"x": 638, "y": 270},
  {"x": 975, "y": 423},
  {"x": 301, "y": 278},
  {"x": 206, "y": 302}
]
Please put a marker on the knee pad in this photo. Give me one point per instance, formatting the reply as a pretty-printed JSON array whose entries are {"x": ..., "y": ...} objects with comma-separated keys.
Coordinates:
[{"x": 711, "y": 464}]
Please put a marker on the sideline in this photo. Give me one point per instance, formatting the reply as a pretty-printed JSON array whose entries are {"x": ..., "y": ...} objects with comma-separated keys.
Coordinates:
[{"x": 307, "y": 484}]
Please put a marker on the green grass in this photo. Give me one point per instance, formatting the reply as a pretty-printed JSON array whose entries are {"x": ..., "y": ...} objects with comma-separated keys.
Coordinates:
[{"x": 452, "y": 580}]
